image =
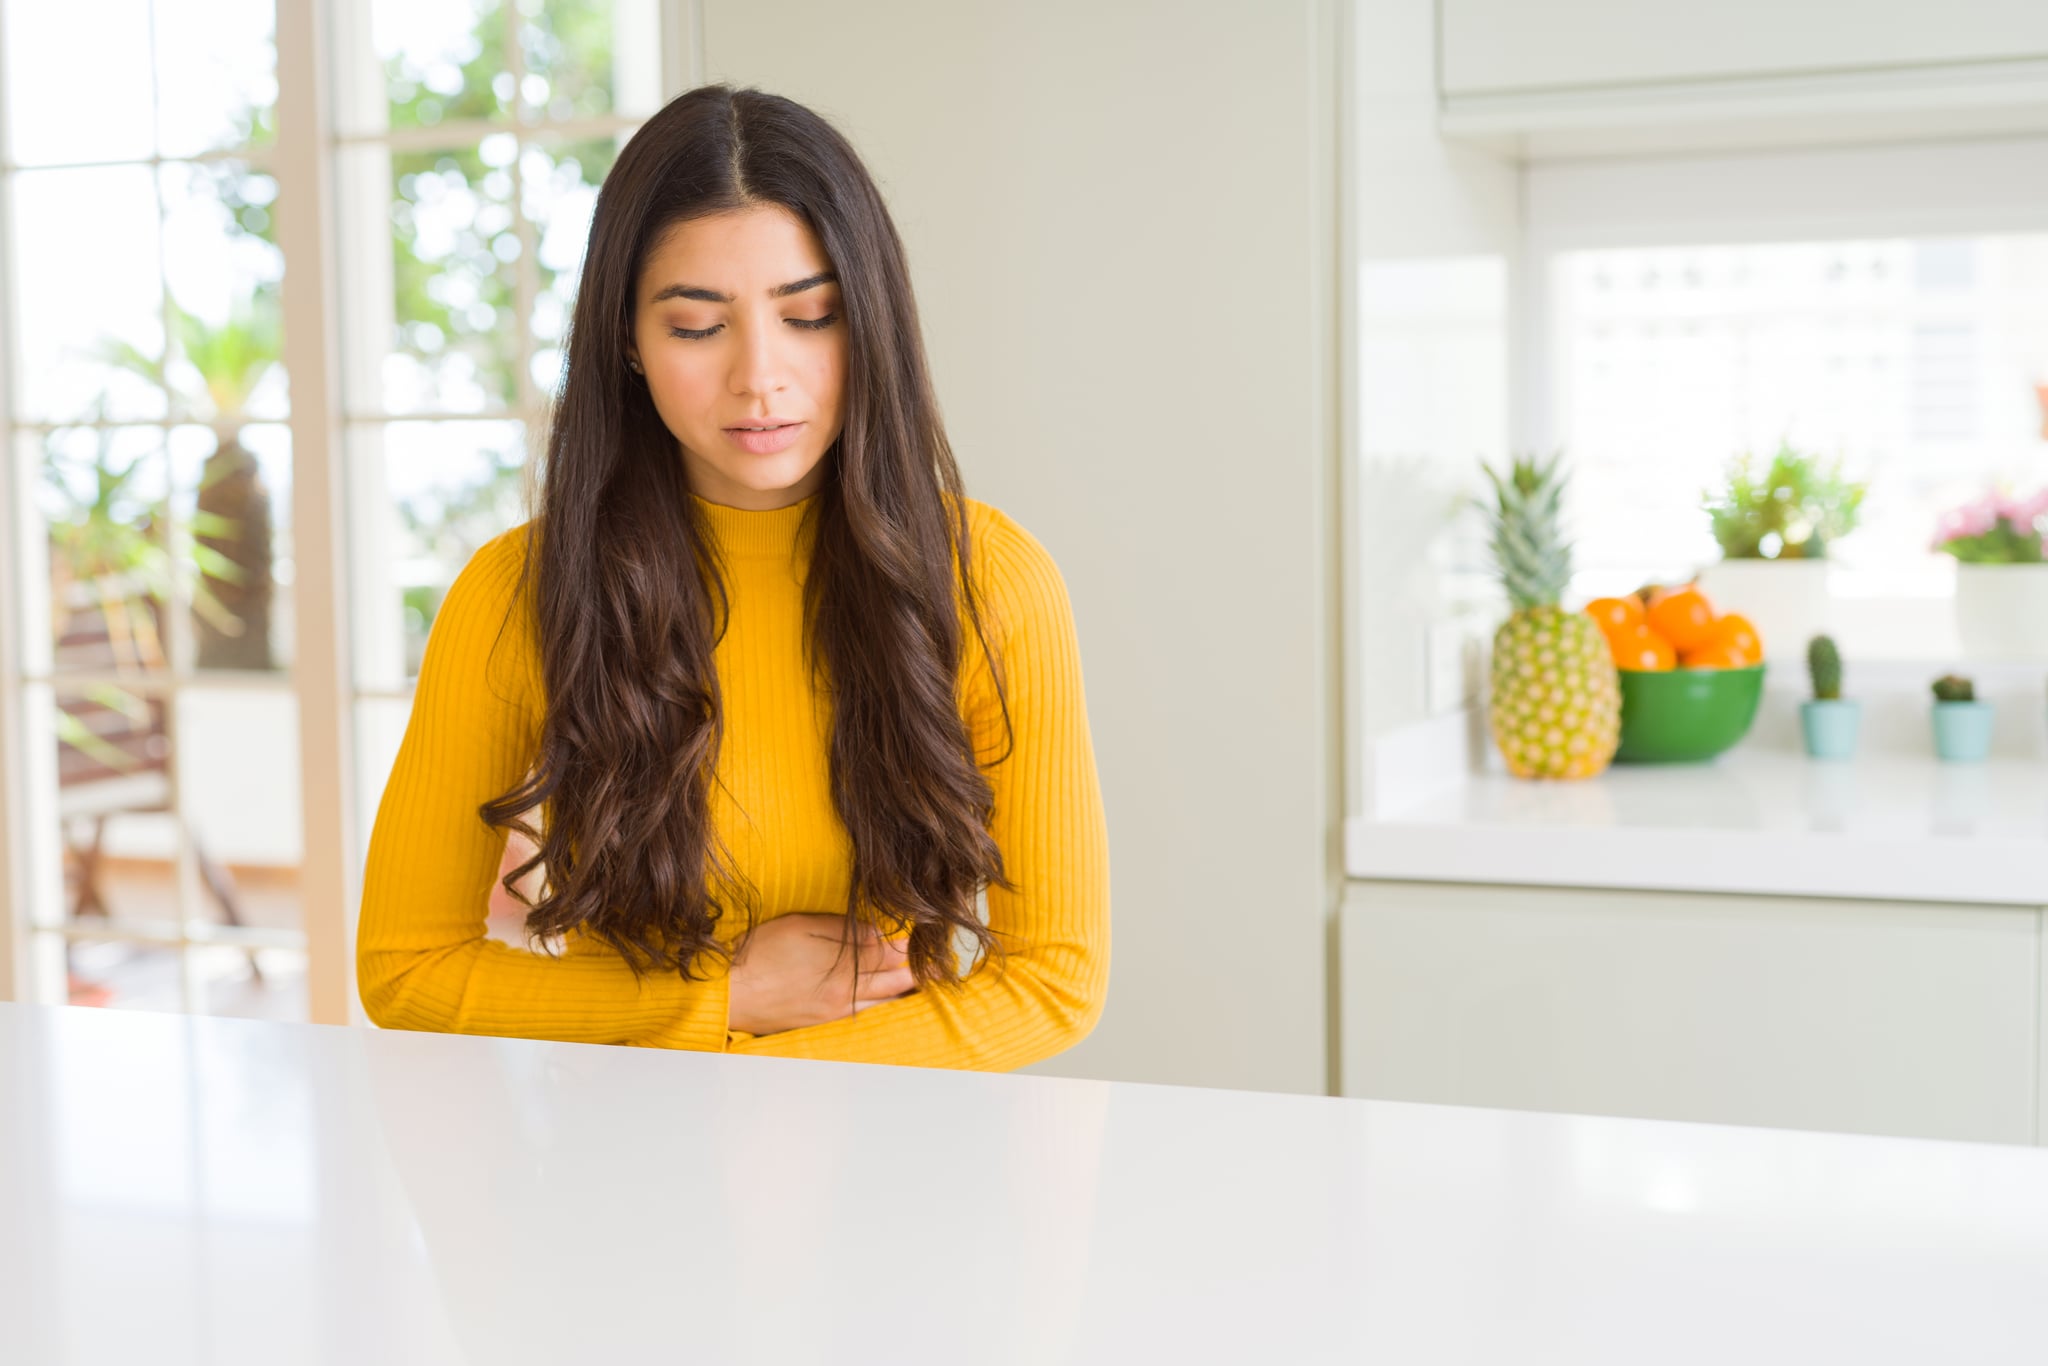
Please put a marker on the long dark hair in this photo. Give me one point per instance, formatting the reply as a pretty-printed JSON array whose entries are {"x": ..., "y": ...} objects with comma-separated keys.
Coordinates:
[{"x": 622, "y": 576}]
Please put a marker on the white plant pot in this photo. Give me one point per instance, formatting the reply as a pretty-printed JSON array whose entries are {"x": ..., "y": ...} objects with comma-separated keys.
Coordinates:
[
  {"x": 2002, "y": 611},
  {"x": 1786, "y": 600}
]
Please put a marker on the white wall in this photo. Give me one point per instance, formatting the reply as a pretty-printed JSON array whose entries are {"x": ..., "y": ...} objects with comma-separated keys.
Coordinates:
[
  {"x": 1438, "y": 239},
  {"x": 1122, "y": 234}
]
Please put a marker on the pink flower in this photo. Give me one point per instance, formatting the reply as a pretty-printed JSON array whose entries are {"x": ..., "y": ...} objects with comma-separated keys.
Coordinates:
[
  {"x": 2026, "y": 512},
  {"x": 1974, "y": 519}
]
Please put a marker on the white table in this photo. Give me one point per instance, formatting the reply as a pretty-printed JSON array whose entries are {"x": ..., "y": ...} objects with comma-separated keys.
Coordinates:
[{"x": 177, "y": 1189}]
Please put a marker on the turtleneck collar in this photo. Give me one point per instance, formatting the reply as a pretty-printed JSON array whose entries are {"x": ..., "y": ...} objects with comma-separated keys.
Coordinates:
[{"x": 746, "y": 534}]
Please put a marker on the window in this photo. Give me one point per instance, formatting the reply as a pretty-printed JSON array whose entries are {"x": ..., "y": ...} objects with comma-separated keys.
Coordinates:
[
  {"x": 152, "y": 656},
  {"x": 152, "y": 469},
  {"x": 1922, "y": 363},
  {"x": 1882, "y": 302}
]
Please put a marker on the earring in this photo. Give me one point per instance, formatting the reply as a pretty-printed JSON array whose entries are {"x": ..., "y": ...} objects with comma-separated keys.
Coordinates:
[{"x": 634, "y": 365}]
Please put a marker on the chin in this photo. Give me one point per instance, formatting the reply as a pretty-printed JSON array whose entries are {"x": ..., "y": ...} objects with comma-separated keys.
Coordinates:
[{"x": 767, "y": 474}]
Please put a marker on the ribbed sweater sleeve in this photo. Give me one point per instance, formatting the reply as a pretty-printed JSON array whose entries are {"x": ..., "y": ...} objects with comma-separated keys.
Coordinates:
[
  {"x": 423, "y": 957},
  {"x": 1050, "y": 825}
]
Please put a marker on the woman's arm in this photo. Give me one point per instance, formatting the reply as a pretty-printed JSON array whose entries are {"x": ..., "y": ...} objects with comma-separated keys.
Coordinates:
[
  {"x": 423, "y": 957},
  {"x": 1050, "y": 826}
]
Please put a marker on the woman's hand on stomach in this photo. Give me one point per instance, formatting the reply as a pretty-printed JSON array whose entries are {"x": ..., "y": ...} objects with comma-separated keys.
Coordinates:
[{"x": 795, "y": 970}]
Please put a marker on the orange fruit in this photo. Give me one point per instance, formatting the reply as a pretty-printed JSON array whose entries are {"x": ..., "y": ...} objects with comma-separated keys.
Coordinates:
[
  {"x": 1643, "y": 650},
  {"x": 1714, "y": 657},
  {"x": 1684, "y": 618},
  {"x": 1734, "y": 631},
  {"x": 1616, "y": 614}
]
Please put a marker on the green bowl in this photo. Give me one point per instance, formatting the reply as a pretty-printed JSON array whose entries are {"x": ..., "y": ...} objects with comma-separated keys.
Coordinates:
[{"x": 1686, "y": 714}]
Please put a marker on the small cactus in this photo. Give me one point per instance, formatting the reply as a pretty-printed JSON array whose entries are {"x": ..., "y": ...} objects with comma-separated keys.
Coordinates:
[
  {"x": 1954, "y": 688},
  {"x": 1824, "y": 662}
]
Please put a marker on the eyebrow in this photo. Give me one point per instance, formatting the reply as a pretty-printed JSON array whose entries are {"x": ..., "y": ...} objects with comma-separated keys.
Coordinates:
[{"x": 712, "y": 296}]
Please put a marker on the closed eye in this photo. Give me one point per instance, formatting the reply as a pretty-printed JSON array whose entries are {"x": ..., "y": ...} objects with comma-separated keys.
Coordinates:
[{"x": 809, "y": 324}]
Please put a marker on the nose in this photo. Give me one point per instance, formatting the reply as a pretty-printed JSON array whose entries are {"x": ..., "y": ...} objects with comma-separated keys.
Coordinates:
[{"x": 758, "y": 363}]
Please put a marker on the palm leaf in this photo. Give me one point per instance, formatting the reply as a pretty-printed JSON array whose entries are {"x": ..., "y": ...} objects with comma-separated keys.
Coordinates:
[{"x": 75, "y": 733}]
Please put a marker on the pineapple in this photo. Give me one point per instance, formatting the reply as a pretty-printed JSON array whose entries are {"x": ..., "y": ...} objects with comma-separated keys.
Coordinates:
[{"x": 1555, "y": 709}]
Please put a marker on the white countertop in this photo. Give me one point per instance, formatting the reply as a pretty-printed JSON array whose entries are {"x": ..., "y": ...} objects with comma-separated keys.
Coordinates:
[
  {"x": 1763, "y": 818},
  {"x": 177, "y": 1189}
]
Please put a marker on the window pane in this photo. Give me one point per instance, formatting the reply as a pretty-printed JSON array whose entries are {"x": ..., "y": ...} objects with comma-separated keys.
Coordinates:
[
  {"x": 1915, "y": 361},
  {"x": 251, "y": 984},
  {"x": 111, "y": 823},
  {"x": 133, "y": 975},
  {"x": 235, "y": 497},
  {"x": 49, "y": 47},
  {"x": 137, "y": 975},
  {"x": 442, "y": 60},
  {"x": 238, "y": 777},
  {"x": 589, "y": 57},
  {"x": 559, "y": 183},
  {"x": 235, "y": 754},
  {"x": 446, "y": 60},
  {"x": 103, "y": 498},
  {"x": 125, "y": 976},
  {"x": 452, "y": 339},
  {"x": 216, "y": 70},
  {"x": 223, "y": 268},
  {"x": 446, "y": 488},
  {"x": 90, "y": 296}
]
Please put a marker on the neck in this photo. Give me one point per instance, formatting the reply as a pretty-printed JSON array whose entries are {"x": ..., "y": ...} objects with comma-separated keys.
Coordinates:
[{"x": 756, "y": 533}]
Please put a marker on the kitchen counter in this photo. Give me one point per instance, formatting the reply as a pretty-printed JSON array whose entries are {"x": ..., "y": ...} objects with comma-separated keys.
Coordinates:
[
  {"x": 1887, "y": 825},
  {"x": 179, "y": 1189}
]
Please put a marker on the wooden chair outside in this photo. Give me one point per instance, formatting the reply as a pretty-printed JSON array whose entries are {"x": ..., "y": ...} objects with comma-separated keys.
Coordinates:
[{"x": 114, "y": 760}]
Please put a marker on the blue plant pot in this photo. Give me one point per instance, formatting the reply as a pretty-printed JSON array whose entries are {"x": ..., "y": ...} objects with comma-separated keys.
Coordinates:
[
  {"x": 1962, "y": 730},
  {"x": 1830, "y": 727}
]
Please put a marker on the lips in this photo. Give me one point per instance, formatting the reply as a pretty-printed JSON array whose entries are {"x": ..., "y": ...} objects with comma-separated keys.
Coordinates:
[{"x": 779, "y": 437}]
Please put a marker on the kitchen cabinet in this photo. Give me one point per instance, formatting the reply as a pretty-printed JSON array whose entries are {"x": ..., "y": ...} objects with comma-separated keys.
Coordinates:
[
  {"x": 1503, "y": 46},
  {"x": 1570, "y": 79},
  {"x": 1912, "y": 1019}
]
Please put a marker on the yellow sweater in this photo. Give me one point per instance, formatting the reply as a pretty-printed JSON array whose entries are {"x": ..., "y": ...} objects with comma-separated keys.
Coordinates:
[{"x": 424, "y": 960}]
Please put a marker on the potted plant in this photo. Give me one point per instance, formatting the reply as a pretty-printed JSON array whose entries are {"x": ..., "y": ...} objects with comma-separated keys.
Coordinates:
[
  {"x": 231, "y": 524},
  {"x": 109, "y": 553},
  {"x": 2001, "y": 578},
  {"x": 1829, "y": 721},
  {"x": 1774, "y": 528},
  {"x": 1962, "y": 723}
]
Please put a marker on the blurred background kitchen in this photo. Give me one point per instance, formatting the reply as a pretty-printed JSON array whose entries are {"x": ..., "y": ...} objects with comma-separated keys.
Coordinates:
[{"x": 1228, "y": 302}]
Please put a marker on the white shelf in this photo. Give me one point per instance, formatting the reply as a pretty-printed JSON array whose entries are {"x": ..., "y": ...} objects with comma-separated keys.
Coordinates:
[{"x": 1756, "y": 820}]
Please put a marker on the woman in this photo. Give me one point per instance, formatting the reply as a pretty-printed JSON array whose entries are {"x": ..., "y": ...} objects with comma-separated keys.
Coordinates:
[{"x": 785, "y": 701}]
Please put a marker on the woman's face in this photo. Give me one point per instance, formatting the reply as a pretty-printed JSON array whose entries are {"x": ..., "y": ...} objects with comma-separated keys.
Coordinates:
[{"x": 737, "y": 323}]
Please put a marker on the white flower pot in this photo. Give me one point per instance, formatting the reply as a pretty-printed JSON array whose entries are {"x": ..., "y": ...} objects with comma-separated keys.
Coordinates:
[
  {"x": 2002, "y": 611},
  {"x": 1786, "y": 600}
]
